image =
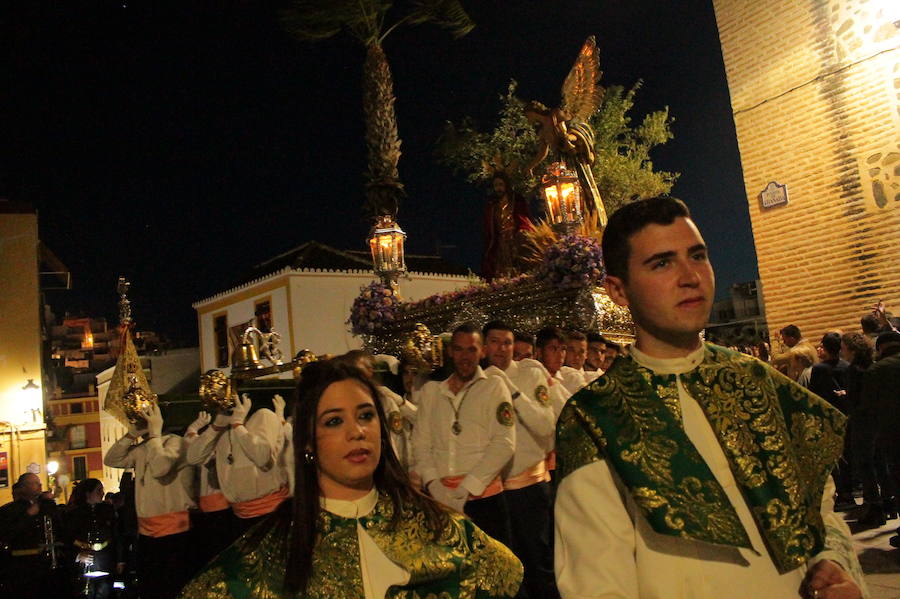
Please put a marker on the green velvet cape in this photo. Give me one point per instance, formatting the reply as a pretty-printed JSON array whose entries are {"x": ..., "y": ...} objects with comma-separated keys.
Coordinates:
[
  {"x": 781, "y": 442},
  {"x": 464, "y": 564}
]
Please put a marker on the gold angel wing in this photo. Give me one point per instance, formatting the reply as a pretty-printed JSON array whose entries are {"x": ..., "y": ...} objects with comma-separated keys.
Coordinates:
[{"x": 581, "y": 92}]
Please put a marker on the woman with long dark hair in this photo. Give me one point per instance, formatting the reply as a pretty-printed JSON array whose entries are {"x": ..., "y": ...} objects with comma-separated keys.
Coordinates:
[
  {"x": 356, "y": 526},
  {"x": 91, "y": 525}
]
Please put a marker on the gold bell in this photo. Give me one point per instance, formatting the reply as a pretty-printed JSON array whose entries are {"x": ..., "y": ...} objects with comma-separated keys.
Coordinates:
[{"x": 245, "y": 358}]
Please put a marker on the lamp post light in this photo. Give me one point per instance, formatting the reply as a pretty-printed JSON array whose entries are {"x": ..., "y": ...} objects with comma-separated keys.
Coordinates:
[
  {"x": 562, "y": 193},
  {"x": 33, "y": 400},
  {"x": 386, "y": 245}
]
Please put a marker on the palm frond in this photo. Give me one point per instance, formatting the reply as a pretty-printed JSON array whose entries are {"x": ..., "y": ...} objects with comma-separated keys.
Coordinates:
[
  {"x": 537, "y": 240},
  {"x": 541, "y": 236},
  {"x": 313, "y": 20},
  {"x": 446, "y": 14}
]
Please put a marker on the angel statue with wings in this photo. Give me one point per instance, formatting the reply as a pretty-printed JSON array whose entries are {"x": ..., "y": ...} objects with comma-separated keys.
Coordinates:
[{"x": 565, "y": 130}]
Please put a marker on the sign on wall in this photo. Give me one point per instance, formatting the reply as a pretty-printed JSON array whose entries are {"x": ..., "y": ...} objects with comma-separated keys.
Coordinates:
[{"x": 773, "y": 195}]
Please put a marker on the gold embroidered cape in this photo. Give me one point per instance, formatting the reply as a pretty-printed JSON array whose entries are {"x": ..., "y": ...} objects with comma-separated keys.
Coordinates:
[
  {"x": 780, "y": 440},
  {"x": 464, "y": 564}
]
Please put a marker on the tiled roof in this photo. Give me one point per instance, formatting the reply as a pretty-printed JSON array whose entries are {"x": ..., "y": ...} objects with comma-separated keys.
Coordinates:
[{"x": 315, "y": 255}]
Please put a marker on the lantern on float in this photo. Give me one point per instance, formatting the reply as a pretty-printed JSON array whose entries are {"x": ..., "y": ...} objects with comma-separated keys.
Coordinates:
[
  {"x": 386, "y": 245},
  {"x": 562, "y": 193}
]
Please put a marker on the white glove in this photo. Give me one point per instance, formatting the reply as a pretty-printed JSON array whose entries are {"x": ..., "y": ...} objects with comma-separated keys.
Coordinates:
[
  {"x": 154, "y": 420},
  {"x": 453, "y": 498},
  {"x": 494, "y": 371},
  {"x": 278, "y": 402},
  {"x": 458, "y": 498},
  {"x": 202, "y": 420},
  {"x": 439, "y": 492},
  {"x": 135, "y": 431},
  {"x": 241, "y": 409}
]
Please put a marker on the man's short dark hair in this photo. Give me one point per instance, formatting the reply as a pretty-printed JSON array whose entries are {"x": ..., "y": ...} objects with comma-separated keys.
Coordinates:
[
  {"x": 791, "y": 330},
  {"x": 467, "y": 328},
  {"x": 523, "y": 337},
  {"x": 869, "y": 324},
  {"x": 885, "y": 340},
  {"x": 548, "y": 334},
  {"x": 496, "y": 325},
  {"x": 574, "y": 335},
  {"x": 593, "y": 337},
  {"x": 613, "y": 345},
  {"x": 831, "y": 342},
  {"x": 629, "y": 220}
]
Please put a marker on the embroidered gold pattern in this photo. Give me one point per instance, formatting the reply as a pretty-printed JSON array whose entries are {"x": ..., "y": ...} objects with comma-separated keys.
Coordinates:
[
  {"x": 463, "y": 564},
  {"x": 780, "y": 441}
]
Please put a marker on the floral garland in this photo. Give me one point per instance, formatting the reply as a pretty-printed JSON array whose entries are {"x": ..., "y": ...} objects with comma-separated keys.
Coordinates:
[
  {"x": 376, "y": 305},
  {"x": 573, "y": 261},
  {"x": 457, "y": 294}
]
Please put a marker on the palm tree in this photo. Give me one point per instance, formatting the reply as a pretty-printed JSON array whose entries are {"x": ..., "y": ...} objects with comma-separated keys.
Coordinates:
[{"x": 370, "y": 22}]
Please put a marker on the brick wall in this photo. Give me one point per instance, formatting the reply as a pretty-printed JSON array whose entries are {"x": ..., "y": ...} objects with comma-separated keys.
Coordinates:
[{"x": 815, "y": 93}]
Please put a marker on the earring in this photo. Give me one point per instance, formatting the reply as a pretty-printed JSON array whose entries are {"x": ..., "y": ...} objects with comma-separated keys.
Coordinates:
[{"x": 309, "y": 457}]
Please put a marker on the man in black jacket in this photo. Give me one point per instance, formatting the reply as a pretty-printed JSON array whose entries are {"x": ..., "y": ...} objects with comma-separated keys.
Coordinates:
[
  {"x": 881, "y": 397},
  {"x": 26, "y": 568},
  {"x": 828, "y": 381}
]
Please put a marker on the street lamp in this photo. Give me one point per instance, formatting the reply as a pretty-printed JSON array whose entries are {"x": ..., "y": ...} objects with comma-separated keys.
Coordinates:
[
  {"x": 562, "y": 193},
  {"x": 33, "y": 400},
  {"x": 386, "y": 245}
]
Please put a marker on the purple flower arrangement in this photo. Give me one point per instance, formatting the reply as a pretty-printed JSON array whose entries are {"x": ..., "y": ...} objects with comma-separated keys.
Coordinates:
[
  {"x": 573, "y": 261},
  {"x": 376, "y": 305}
]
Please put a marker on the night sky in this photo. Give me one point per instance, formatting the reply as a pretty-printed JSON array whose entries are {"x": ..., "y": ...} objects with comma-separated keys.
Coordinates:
[{"x": 180, "y": 143}]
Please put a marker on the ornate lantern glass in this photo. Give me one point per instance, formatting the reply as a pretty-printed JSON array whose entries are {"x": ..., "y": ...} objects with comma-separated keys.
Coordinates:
[
  {"x": 562, "y": 192},
  {"x": 386, "y": 244}
]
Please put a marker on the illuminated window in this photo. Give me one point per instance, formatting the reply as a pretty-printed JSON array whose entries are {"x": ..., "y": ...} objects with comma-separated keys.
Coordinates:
[
  {"x": 220, "y": 331},
  {"x": 77, "y": 437}
]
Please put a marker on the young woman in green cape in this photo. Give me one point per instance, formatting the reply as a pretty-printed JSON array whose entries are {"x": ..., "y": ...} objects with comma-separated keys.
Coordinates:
[{"x": 356, "y": 527}]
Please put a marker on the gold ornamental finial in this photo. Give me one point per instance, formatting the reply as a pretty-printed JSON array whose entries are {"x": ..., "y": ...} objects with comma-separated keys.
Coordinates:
[{"x": 124, "y": 304}]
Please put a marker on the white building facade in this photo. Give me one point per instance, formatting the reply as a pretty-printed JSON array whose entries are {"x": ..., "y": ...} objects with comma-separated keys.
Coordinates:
[{"x": 308, "y": 307}]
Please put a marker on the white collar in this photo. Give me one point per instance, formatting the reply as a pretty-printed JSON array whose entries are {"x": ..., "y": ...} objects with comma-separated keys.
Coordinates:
[
  {"x": 479, "y": 374},
  {"x": 351, "y": 509},
  {"x": 669, "y": 365}
]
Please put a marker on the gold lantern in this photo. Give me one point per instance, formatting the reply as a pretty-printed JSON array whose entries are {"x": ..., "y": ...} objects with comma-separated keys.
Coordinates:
[
  {"x": 562, "y": 192},
  {"x": 386, "y": 245}
]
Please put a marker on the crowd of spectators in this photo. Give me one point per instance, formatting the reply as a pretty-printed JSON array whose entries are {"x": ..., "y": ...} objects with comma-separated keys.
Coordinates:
[{"x": 858, "y": 372}]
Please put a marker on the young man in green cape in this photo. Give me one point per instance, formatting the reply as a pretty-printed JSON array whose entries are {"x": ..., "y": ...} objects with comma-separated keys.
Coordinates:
[{"x": 688, "y": 470}]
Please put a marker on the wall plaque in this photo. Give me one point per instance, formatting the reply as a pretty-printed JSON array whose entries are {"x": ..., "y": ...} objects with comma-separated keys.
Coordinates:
[{"x": 773, "y": 195}]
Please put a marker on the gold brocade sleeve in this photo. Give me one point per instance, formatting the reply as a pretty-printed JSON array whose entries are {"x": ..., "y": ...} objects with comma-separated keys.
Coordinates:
[
  {"x": 497, "y": 572},
  {"x": 209, "y": 584}
]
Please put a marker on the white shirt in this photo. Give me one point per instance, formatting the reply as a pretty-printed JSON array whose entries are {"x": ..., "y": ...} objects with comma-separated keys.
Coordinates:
[
  {"x": 535, "y": 422},
  {"x": 559, "y": 395},
  {"x": 163, "y": 480},
  {"x": 378, "y": 572},
  {"x": 407, "y": 411},
  {"x": 484, "y": 444},
  {"x": 286, "y": 457},
  {"x": 606, "y": 548},
  {"x": 574, "y": 379},
  {"x": 253, "y": 470},
  {"x": 209, "y": 479}
]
